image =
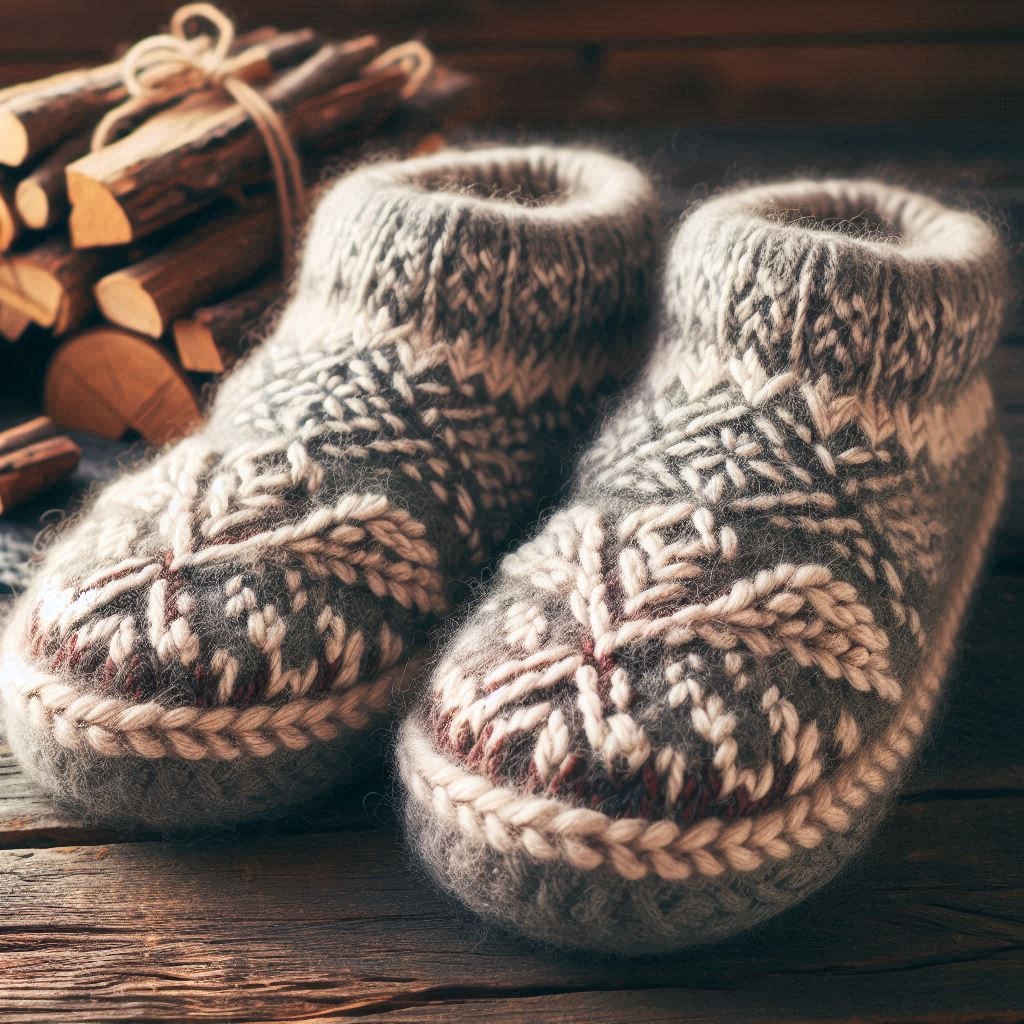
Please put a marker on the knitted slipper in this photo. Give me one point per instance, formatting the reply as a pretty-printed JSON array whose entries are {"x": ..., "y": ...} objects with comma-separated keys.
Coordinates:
[
  {"x": 682, "y": 706},
  {"x": 221, "y": 633}
]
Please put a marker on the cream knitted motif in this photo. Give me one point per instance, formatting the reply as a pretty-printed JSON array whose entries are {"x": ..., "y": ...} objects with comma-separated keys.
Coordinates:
[
  {"x": 257, "y": 592},
  {"x": 679, "y": 709}
]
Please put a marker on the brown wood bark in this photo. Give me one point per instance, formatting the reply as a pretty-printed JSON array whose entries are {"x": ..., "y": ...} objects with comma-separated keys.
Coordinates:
[
  {"x": 10, "y": 220},
  {"x": 41, "y": 198},
  {"x": 108, "y": 381},
  {"x": 213, "y": 338},
  {"x": 205, "y": 264},
  {"x": 52, "y": 283},
  {"x": 32, "y": 458},
  {"x": 39, "y": 115},
  {"x": 23, "y": 434},
  {"x": 36, "y": 116},
  {"x": 188, "y": 155}
]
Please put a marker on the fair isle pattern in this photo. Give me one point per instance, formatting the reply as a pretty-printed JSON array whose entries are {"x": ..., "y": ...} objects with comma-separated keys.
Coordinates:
[
  {"x": 262, "y": 586},
  {"x": 729, "y": 642}
]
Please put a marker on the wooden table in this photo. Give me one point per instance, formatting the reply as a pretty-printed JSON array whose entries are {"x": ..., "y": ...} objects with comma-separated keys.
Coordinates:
[{"x": 320, "y": 917}]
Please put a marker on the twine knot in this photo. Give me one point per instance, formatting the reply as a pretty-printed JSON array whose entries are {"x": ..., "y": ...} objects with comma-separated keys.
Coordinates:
[{"x": 162, "y": 68}]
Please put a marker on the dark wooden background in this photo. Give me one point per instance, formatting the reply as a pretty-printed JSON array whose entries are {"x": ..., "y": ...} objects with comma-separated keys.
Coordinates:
[
  {"x": 576, "y": 61},
  {"x": 319, "y": 916}
]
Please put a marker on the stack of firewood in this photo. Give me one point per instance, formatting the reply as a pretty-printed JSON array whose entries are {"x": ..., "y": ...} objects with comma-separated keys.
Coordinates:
[{"x": 153, "y": 256}]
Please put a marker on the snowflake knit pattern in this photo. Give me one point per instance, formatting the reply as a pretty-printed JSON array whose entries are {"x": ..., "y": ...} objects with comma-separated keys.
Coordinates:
[
  {"x": 682, "y": 706},
  {"x": 222, "y": 633}
]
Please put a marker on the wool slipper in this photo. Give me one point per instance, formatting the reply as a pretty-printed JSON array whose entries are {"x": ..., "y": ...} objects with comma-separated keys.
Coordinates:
[
  {"x": 222, "y": 633},
  {"x": 682, "y": 706}
]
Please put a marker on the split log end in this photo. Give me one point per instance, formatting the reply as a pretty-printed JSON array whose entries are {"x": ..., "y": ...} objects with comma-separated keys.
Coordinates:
[
  {"x": 13, "y": 322},
  {"x": 33, "y": 204},
  {"x": 197, "y": 348},
  {"x": 125, "y": 302},
  {"x": 14, "y": 141},
  {"x": 108, "y": 381},
  {"x": 97, "y": 218},
  {"x": 33, "y": 290}
]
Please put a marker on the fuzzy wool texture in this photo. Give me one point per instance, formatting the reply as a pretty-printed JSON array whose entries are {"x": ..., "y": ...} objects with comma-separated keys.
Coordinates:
[
  {"x": 686, "y": 702},
  {"x": 224, "y": 630}
]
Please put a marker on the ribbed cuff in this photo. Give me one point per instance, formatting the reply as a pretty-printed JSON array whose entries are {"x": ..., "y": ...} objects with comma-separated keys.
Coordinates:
[
  {"x": 883, "y": 290},
  {"x": 528, "y": 247}
]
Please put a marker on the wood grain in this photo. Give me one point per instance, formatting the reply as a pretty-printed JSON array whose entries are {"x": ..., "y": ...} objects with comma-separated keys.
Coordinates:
[
  {"x": 108, "y": 381},
  {"x": 10, "y": 219},
  {"x": 13, "y": 322},
  {"x": 41, "y": 197},
  {"x": 34, "y": 468},
  {"x": 292, "y": 927},
  {"x": 207, "y": 263},
  {"x": 37, "y": 115},
  {"x": 52, "y": 283},
  {"x": 69, "y": 29}
]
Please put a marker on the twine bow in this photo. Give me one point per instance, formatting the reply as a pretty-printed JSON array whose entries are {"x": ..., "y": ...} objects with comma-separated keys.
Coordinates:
[{"x": 164, "y": 67}]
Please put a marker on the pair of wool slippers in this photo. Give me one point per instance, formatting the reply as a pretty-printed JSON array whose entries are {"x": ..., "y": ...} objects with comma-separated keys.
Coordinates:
[{"x": 675, "y": 710}]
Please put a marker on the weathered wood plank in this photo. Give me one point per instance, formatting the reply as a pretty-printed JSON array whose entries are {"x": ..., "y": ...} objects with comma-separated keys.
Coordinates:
[
  {"x": 335, "y": 926},
  {"x": 748, "y": 84},
  {"x": 928, "y": 995}
]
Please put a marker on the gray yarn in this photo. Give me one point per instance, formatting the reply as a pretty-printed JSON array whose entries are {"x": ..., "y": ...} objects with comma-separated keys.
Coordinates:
[
  {"x": 214, "y": 638},
  {"x": 684, "y": 704}
]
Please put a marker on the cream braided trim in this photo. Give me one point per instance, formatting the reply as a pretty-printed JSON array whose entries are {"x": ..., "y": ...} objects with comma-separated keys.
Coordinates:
[
  {"x": 116, "y": 728},
  {"x": 548, "y": 829}
]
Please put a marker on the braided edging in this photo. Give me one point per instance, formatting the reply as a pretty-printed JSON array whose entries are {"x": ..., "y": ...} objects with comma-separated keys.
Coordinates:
[
  {"x": 117, "y": 728},
  {"x": 548, "y": 829}
]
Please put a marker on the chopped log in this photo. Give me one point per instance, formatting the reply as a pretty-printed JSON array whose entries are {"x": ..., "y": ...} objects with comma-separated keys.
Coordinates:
[
  {"x": 13, "y": 323},
  {"x": 24, "y": 434},
  {"x": 52, "y": 283},
  {"x": 41, "y": 199},
  {"x": 108, "y": 381},
  {"x": 203, "y": 265},
  {"x": 36, "y": 116},
  {"x": 32, "y": 458},
  {"x": 213, "y": 339},
  {"x": 190, "y": 154},
  {"x": 10, "y": 221}
]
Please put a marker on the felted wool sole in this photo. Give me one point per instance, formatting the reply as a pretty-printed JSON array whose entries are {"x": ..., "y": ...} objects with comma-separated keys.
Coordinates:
[
  {"x": 582, "y": 879},
  {"x": 174, "y": 769}
]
